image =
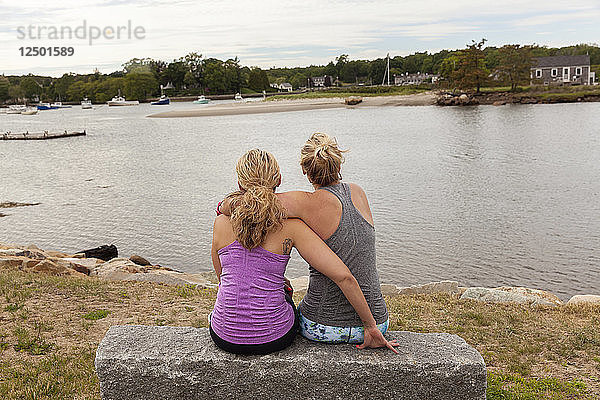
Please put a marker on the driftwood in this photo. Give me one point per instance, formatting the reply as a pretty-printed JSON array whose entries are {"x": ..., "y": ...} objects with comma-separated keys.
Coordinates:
[{"x": 105, "y": 252}]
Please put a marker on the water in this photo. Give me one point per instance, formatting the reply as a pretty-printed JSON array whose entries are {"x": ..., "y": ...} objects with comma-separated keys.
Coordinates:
[{"x": 487, "y": 195}]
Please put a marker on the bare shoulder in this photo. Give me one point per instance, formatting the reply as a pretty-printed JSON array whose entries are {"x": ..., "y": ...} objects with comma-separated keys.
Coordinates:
[
  {"x": 359, "y": 199},
  {"x": 222, "y": 231},
  {"x": 222, "y": 221},
  {"x": 357, "y": 190}
]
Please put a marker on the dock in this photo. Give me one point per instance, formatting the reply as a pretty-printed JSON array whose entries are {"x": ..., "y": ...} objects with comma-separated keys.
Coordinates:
[{"x": 45, "y": 135}]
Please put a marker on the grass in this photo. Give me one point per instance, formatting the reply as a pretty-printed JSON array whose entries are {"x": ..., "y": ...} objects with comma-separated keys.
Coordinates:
[
  {"x": 96, "y": 315},
  {"x": 363, "y": 91},
  {"x": 502, "y": 386},
  {"x": 531, "y": 353}
]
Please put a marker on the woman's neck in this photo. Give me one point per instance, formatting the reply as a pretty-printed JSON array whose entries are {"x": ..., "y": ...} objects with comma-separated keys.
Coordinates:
[{"x": 317, "y": 186}]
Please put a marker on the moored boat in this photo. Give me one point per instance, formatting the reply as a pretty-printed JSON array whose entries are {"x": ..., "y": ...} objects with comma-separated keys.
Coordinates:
[
  {"x": 238, "y": 97},
  {"x": 29, "y": 111},
  {"x": 163, "y": 101},
  {"x": 46, "y": 106},
  {"x": 16, "y": 109},
  {"x": 120, "y": 101},
  {"x": 86, "y": 104},
  {"x": 58, "y": 104},
  {"x": 201, "y": 100}
]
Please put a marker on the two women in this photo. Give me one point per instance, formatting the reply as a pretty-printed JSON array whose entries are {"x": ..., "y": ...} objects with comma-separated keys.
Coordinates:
[{"x": 251, "y": 248}]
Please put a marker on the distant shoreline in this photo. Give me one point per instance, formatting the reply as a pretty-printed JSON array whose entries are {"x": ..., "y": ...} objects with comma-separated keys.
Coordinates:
[{"x": 261, "y": 107}]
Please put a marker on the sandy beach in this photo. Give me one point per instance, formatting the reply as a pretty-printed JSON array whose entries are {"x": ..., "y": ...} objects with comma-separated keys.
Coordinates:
[{"x": 262, "y": 107}]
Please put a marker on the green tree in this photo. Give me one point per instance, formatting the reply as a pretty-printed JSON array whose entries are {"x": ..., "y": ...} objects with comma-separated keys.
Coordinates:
[
  {"x": 447, "y": 70},
  {"x": 4, "y": 85},
  {"x": 258, "y": 80},
  {"x": 214, "y": 76},
  {"x": 31, "y": 89},
  {"x": 139, "y": 85},
  {"x": 195, "y": 70},
  {"x": 471, "y": 71},
  {"x": 515, "y": 64},
  {"x": 61, "y": 85}
]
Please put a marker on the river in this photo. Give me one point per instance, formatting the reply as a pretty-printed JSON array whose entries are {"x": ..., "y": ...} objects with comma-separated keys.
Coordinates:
[{"x": 484, "y": 195}]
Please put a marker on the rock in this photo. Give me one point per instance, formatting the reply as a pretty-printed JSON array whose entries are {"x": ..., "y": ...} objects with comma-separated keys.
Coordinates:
[
  {"x": 139, "y": 260},
  {"x": 499, "y": 103},
  {"x": 519, "y": 295},
  {"x": 11, "y": 252},
  {"x": 51, "y": 268},
  {"x": 28, "y": 263},
  {"x": 11, "y": 262},
  {"x": 34, "y": 253},
  {"x": 464, "y": 99},
  {"x": 104, "y": 252},
  {"x": 58, "y": 254},
  {"x": 149, "y": 362},
  {"x": 83, "y": 265},
  {"x": 450, "y": 287},
  {"x": 353, "y": 100},
  {"x": 172, "y": 278},
  {"x": 116, "y": 269},
  {"x": 388, "y": 290},
  {"x": 300, "y": 284},
  {"x": 584, "y": 299}
]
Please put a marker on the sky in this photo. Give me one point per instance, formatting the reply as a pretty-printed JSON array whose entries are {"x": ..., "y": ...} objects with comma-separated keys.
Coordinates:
[{"x": 280, "y": 33}]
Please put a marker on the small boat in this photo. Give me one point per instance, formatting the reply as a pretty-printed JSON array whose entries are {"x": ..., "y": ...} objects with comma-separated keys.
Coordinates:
[
  {"x": 29, "y": 111},
  {"x": 201, "y": 100},
  {"x": 238, "y": 97},
  {"x": 58, "y": 104},
  {"x": 120, "y": 101},
  {"x": 16, "y": 109},
  {"x": 86, "y": 104},
  {"x": 163, "y": 101},
  {"x": 46, "y": 106}
]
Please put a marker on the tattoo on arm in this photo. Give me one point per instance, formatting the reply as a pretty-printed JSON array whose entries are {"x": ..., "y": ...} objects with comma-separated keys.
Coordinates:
[{"x": 287, "y": 246}]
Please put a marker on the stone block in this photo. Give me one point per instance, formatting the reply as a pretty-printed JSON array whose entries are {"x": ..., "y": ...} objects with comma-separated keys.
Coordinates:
[{"x": 150, "y": 362}]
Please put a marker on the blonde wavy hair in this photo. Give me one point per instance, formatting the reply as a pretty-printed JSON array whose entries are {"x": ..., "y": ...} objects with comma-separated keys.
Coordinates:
[
  {"x": 321, "y": 159},
  {"x": 255, "y": 209}
]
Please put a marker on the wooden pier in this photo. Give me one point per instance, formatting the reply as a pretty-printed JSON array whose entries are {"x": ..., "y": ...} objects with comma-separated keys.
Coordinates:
[{"x": 39, "y": 135}]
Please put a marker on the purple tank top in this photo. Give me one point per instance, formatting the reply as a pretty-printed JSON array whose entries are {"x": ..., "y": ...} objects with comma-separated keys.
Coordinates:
[{"x": 251, "y": 306}]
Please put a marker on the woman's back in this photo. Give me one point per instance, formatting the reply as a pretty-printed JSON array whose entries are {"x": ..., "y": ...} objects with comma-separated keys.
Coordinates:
[
  {"x": 353, "y": 240},
  {"x": 251, "y": 306}
]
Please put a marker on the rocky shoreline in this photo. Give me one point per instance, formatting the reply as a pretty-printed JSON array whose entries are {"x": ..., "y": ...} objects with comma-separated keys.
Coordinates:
[
  {"x": 136, "y": 268},
  {"x": 504, "y": 98}
]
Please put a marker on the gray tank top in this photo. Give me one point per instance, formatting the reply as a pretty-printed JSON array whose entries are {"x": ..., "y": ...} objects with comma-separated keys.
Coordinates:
[{"x": 354, "y": 243}]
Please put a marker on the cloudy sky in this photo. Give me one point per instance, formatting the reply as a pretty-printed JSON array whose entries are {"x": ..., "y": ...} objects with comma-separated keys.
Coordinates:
[{"x": 279, "y": 32}]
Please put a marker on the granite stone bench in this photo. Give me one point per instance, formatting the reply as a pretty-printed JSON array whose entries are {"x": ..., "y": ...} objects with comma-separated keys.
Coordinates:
[{"x": 152, "y": 362}]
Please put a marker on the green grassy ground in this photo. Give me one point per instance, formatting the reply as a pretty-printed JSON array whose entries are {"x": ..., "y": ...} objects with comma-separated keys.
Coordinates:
[
  {"x": 363, "y": 91},
  {"x": 50, "y": 328}
]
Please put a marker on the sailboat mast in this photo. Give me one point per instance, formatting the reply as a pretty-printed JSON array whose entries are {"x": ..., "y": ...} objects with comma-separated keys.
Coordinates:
[
  {"x": 388, "y": 69},
  {"x": 386, "y": 73}
]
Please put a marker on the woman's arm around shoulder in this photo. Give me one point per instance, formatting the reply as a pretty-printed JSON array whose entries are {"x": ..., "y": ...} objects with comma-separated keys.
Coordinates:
[
  {"x": 320, "y": 257},
  {"x": 296, "y": 203},
  {"x": 222, "y": 236}
]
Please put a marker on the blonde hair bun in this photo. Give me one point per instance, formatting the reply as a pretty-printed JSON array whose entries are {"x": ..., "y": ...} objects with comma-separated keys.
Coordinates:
[{"x": 322, "y": 159}]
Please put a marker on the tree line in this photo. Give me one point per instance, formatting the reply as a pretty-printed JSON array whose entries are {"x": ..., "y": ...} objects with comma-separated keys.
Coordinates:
[{"x": 193, "y": 74}]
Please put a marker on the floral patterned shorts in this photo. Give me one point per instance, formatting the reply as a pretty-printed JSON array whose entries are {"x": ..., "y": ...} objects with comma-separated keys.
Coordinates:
[{"x": 335, "y": 334}]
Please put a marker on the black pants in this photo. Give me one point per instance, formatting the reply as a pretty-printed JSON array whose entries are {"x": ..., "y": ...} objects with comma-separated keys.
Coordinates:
[{"x": 263, "y": 348}]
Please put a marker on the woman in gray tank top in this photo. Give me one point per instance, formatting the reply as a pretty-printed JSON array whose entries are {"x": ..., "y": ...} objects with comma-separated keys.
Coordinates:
[{"x": 339, "y": 213}]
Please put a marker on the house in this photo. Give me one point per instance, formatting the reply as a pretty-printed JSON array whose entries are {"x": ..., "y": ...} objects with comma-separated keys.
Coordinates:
[
  {"x": 415, "y": 79},
  {"x": 563, "y": 70},
  {"x": 285, "y": 87},
  {"x": 321, "y": 81}
]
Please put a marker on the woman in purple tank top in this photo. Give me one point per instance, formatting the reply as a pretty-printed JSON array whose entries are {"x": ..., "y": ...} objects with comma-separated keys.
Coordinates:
[{"x": 250, "y": 251}]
